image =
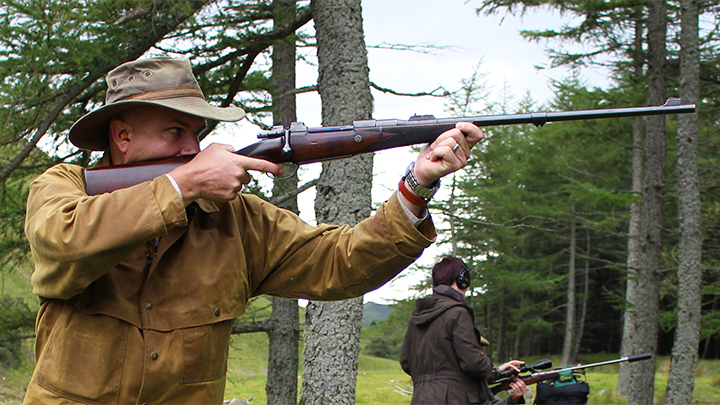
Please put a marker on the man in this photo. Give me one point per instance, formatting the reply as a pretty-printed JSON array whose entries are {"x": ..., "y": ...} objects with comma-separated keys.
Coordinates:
[
  {"x": 442, "y": 350},
  {"x": 139, "y": 287}
]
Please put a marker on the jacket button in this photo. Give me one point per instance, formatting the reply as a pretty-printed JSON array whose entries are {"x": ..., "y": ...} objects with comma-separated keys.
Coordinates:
[
  {"x": 149, "y": 256},
  {"x": 88, "y": 305},
  {"x": 217, "y": 311},
  {"x": 148, "y": 305},
  {"x": 154, "y": 356}
]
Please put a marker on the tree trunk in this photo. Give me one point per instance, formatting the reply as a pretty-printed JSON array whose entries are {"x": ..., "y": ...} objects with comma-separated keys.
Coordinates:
[
  {"x": 284, "y": 335},
  {"x": 633, "y": 256},
  {"x": 500, "y": 355},
  {"x": 583, "y": 310},
  {"x": 681, "y": 378},
  {"x": 644, "y": 336},
  {"x": 451, "y": 211},
  {"x": 570, "y": 301},
  {"x": 332, "y": 329},
  {"x": 283, "y": 338},
  {"x": 488, "y": 328}
]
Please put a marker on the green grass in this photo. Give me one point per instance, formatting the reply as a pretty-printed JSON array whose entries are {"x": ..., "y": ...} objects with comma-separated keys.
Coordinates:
[
  {"x": 13, "y": 380},
  {"x": 381, "y": 381}
]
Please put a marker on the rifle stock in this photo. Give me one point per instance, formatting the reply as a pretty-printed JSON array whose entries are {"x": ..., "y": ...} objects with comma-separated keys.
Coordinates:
[
  {"x": 504, "y": 384},
  {"x": 299, "y": 144}
]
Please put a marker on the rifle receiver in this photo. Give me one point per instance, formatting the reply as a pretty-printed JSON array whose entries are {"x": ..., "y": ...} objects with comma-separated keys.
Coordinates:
[{"x": 543, "y": 364}]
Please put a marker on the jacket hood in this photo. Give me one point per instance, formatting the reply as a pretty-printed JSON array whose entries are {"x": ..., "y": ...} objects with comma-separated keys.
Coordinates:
[{"x": 431, "y": 307}]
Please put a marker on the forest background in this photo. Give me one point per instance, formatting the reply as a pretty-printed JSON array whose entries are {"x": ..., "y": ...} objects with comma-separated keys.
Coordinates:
[{"x": 545, "y": 217}]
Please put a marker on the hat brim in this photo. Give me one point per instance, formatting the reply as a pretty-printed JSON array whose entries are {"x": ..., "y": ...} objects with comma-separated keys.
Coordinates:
[{"x": 91, "y": 131}]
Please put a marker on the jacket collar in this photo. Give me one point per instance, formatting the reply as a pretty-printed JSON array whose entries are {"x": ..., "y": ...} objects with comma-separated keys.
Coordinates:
[{"x": 448, "y": 291}]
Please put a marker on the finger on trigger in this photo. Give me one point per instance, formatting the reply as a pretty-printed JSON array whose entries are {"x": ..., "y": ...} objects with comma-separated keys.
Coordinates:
[{"x": 269, "y": 167}]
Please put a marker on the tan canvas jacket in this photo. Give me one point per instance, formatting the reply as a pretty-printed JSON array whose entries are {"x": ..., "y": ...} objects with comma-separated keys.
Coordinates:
[{"x": 138, "y": 293}]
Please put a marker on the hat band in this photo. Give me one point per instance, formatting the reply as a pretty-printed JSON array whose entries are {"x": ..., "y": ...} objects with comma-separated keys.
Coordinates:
[{"x": 165, "y": 94}]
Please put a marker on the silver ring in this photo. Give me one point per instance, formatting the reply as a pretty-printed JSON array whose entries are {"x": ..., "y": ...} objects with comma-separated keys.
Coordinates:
[{"x": 456, "y": 147}]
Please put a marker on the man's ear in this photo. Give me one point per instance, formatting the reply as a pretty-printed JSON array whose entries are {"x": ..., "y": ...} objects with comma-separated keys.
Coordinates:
[{"x": 120, "y": 134}]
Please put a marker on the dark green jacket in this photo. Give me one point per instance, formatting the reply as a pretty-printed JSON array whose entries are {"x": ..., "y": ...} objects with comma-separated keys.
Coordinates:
[{"x": 442, "y": 353}]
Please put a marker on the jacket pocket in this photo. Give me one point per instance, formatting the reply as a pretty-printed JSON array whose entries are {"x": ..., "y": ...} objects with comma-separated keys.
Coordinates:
[
  {"x": 473, "y": 398},
  {"x": 81, "y": 360},
  {"x": 205, "y": 352}
]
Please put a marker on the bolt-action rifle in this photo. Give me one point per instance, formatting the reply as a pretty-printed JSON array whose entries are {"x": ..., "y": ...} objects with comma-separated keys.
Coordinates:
[
  {"x": 299, "y": 144},
  {"x": 504, "y": 383}
]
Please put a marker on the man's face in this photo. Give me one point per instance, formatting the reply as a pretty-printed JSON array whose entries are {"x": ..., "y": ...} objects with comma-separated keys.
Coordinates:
[{"x": 156, "y": 132}]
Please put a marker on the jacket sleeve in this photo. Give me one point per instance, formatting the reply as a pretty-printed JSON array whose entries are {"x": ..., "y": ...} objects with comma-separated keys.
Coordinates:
[
  {"x": 471, "y": 358},
  {"x": 76, "y": 238},
  {"x": 328, "y": 262}
]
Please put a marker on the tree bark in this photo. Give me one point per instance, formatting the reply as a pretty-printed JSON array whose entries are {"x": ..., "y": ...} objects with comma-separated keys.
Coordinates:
[
  {"x": 633, "y": 256},
  {"x": 332, "y": 329},
  {"x": 645, "y": 333},
  {"x": 583, "y": 306},
  {"x": 570, "y": 300},
  {"x": 284, "y": 336},
  {"x": 681, "y": 379}
]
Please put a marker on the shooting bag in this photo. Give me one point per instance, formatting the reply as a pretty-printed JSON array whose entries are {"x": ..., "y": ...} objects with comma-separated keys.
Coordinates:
[{"x": 567, "y": 389}]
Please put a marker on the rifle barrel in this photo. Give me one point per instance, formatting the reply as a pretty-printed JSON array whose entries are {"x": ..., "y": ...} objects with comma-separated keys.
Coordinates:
[
  {"x": 671, "y": 106},
  {"x": 629, "y": 359}
]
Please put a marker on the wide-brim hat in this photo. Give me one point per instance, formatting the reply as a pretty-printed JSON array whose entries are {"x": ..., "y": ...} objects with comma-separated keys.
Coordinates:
[{"x": 165, "y": 82}]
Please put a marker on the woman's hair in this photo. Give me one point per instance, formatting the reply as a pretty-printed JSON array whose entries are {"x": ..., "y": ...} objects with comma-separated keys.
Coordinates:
[{"x": 446, "y": 271}]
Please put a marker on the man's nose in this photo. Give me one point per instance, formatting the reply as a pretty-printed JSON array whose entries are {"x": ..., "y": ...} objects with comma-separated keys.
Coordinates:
[{"x": 190, "y": 147}]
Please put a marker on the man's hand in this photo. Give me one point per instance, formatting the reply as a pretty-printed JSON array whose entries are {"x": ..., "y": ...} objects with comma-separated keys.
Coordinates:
[
  {"x": 512, "y": 364},
  {"x": 447, "y": 154},
  {"x": 518, "y": 389},
  {"x": 217, "y": 174}
]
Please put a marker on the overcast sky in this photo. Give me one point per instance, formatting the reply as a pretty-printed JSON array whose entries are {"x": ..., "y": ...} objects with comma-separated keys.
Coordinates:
[{"x": 461, "y": 40}]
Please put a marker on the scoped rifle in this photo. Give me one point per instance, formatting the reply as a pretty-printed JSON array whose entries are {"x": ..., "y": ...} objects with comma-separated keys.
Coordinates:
[
  {"x": 299, "y": 144},
  {"x": 504, "y": 383}
]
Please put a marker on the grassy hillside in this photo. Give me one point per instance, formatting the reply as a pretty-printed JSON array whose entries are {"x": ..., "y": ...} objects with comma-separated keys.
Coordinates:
[{"x": 374, "y": 312}]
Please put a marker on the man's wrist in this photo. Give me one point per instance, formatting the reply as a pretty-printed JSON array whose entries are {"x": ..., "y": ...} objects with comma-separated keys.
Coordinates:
[
  {"x": 417, "y": 219},
  {"x": 425, "y": 192},
  {"x": 175, "y": 185},
  {"x": 409, "y": 195}
]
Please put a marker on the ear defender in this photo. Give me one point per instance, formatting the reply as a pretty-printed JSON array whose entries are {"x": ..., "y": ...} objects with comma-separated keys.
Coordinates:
[{"x": 463, "y": 279}]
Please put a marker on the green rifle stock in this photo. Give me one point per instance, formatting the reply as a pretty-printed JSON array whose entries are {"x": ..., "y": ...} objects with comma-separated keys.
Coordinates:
[
  {"x": 504, "y": 384},
  {"x": 299, "y": 144}
]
